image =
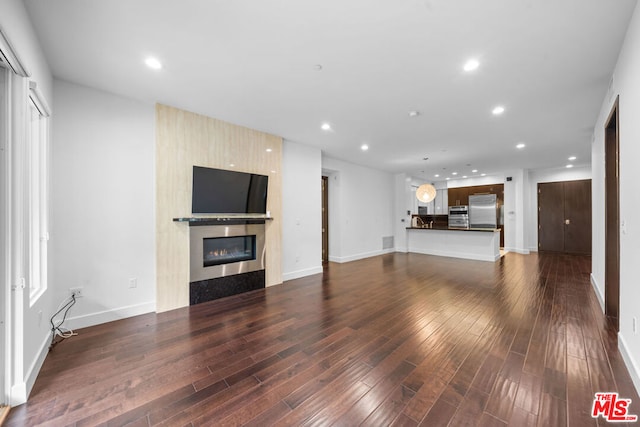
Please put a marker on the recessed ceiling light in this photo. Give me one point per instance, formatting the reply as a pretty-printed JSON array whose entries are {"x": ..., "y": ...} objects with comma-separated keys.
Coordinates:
[
  {"x": 483, "y": 174},
  {"x": 269, "y": 150},
  {"x": 464, "y": 176},
  {"x": 471, "y": 65},
  {"x": 364, "y": 147},
  {"x": 447, "y": 178},
  {"x": 569, "y": 166},
  {"x": 454, "y": 173},
  {"x": 572, "y": 158},
  {"x": 437, "y": 175},
  {"x": 153, "y": 63},
  {"x": 326, "y": 126},
  {"x": 414, "y": 113},
  {"x": 475, "y": 170},
  {"x": 520, "y": 146},
  {"x": 498, "y": 110}
]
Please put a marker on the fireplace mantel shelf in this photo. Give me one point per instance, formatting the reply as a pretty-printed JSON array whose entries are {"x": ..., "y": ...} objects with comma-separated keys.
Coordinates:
[{"x": 224, "y": 219}]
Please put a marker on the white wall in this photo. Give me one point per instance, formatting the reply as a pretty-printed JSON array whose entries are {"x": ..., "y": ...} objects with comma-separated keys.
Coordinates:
[
  {"x": 626, "y": 84},
  {"x": 361, "y": 210},
  {"x": 404, "y": 203},
  {"x": 103, "y": 203},
  {"x": 27, "y": 327},
  {"x": 301, "y": 210},
  {"x": 478, "y": 180},
  {"x": 546, "y": 175},
  {"x": 15, "y": 23}
]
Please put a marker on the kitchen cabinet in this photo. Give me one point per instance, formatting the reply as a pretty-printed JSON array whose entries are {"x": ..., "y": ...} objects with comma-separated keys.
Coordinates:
[
  {"x": 458, "y": 196},
  {"x": 442, "y": 202}
]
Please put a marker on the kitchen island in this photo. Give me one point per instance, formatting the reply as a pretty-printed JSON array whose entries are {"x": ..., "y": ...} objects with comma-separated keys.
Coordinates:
[{"x": 470, "y": 243}]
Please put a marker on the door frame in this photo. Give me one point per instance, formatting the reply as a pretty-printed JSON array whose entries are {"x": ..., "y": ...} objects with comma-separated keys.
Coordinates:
[
  {"x": 5, "y": 233},
  {"x": 325, "y": 218},
  {"x": 612, "y": 215}
]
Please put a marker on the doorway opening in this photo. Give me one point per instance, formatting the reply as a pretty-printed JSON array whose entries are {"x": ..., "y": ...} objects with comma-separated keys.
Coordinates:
[{"x": 612, "y": 215}]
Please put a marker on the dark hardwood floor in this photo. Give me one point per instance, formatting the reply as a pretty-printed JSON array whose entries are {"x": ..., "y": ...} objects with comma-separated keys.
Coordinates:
[{"x": 399, "y": 339}]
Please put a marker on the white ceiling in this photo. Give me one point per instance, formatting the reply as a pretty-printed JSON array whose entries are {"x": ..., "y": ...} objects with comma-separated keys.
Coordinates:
[{"x": 254, "y": 63}]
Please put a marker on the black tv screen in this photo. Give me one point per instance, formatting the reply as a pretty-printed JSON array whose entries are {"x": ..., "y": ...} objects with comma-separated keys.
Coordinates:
[{"x": 218, "y": 191}]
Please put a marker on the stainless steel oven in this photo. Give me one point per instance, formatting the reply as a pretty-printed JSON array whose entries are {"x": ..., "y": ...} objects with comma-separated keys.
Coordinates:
[{"x": 458, "y": 216}]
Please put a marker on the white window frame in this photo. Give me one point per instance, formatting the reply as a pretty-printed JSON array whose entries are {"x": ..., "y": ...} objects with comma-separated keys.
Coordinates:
[{"x": 37, "y": 193}]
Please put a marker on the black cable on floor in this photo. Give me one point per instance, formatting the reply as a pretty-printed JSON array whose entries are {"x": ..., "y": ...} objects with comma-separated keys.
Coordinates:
[{"x": 56, "y": 329}]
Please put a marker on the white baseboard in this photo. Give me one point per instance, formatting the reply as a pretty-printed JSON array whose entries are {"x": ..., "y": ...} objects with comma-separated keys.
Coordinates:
[
  {"x": 596, "y": 289},
  {"x": 360, "y": 256},
  {"x": 462, "y": 255},
  {"x": 20, "y": 391},
  {"x": 533, "y": 249},
  {"x": 301, "y": 273},
  {"x": 105, "y": 316},
  {"x": 18, "y": 394},
  {"x": 629, "y": 361},
  {"x": 518, "y": 251}
]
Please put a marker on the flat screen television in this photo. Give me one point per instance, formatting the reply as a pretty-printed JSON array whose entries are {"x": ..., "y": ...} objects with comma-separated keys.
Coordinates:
[{"x": 218, "y": 191}]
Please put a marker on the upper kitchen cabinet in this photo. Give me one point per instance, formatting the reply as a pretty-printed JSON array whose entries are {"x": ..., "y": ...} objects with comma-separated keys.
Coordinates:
[{"x": 458, "y": 196}]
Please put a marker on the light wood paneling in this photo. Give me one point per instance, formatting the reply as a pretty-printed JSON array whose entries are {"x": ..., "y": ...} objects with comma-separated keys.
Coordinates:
[{"x": 185, "y": 139}]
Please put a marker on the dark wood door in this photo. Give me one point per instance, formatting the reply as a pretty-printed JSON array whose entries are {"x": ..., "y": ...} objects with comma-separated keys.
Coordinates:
[
  {"x": 325, "y": 219},
  {"x": 577, "y": 208},
  {"x": 564, "y": 217},
  {"x": 551, "y": 217}
]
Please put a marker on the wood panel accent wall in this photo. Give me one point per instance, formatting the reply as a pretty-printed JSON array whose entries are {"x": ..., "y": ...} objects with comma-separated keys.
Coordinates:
[{"x": 185, "y": 139}]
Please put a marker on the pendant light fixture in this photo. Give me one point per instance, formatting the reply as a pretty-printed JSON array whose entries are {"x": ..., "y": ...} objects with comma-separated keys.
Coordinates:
[{"x": 426, "y": 193}]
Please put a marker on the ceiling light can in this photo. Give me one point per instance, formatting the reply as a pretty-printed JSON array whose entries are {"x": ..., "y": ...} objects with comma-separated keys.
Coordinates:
[
  {"x": 498, "y": 110},
  {"x": 153, "y": 63},
  {"x": 471, "y": 65}
]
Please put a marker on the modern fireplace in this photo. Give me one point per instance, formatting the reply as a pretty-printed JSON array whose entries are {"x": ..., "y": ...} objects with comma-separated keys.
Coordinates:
[
  {"x": 225, "y": 260},
  {"x": 227, "y": 250}
]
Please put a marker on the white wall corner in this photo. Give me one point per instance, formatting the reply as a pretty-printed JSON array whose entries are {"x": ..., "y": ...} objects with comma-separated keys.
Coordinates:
[
  {"x": 596, "y": 289},
  {"x": 629, "y": 361},
  {"x": 20, "y": 391},
  {"x": 35, "y": 367},
  {"x": 18, "y": 394}
]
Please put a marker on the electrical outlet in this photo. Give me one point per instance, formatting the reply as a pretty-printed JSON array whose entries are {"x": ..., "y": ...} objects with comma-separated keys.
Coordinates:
[
  {"x": 77, "y": 292},
  {"x": 133, "y": 282}
]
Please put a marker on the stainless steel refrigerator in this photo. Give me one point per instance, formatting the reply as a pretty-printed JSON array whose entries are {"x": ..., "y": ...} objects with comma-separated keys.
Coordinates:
[{"x": 483, "y": 211}]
